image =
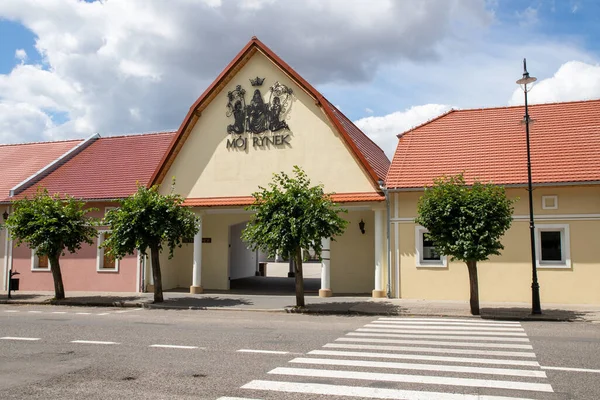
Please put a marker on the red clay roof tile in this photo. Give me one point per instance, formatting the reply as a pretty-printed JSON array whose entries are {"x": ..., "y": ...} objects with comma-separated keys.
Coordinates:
[
  {"x": 489, "y": 144},
  {"x": 109, "y": 168},
  {"x": 20, "y": 161}
]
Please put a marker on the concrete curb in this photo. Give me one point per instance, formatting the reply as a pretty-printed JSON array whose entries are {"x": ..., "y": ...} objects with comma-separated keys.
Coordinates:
[
  {"x": 152, "y": 306},
  {"x": 73, "y": 304},
  {"x": 292, "y": 310}
]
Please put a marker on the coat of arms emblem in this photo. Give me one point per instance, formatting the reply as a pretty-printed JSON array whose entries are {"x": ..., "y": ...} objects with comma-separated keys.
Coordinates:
[{"x": 258, "y": 116}]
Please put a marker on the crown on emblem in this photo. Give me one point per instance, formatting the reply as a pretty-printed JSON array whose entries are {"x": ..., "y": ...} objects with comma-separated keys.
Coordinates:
[{"x": 257, "y": 81}]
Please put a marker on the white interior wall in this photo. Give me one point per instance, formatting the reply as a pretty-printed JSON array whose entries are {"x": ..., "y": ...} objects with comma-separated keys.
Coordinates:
[{"x": 242, "y": 261}]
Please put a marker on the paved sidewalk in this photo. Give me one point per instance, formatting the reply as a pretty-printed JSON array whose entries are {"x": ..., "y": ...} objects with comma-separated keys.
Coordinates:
[{"x": 334, "y": 305}]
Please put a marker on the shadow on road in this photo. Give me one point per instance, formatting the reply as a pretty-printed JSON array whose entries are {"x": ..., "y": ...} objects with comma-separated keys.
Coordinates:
[
  {"x": 97, "y": 300},
  {"x": 525, "y": 313},
  {"x": 352, "y": 308},
  {"x": 204, "y": 302},
  {"x": 17, "y": 296}
]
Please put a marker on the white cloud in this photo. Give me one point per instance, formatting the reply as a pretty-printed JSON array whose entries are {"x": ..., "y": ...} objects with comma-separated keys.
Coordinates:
[
  {"x": 21, "y": 55},
  {"x": 574, "y": 80},
  {"x": 137, "y": 65},
  {"x": 21, "y": 122},
  {"x": 384, "y": 130},
  {"x": 104, "y": 58}
]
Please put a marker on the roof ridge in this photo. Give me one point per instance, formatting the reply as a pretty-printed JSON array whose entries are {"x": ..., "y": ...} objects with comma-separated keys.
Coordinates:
[
  {"x": 462, "y": 110},
  {"x": 140, "y": 134},
  {"x": 530, "y": 105},
  {"x": 400, "y": 135},
  {"x": 43, "y": 142}
]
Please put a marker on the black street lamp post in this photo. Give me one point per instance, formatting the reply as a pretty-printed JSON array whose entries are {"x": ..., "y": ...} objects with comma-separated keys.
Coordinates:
[{"x": 536, "y": 307}]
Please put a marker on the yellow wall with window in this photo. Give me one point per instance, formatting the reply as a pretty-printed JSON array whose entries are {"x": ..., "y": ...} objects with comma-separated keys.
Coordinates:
[{"x": 507, "y": 278}]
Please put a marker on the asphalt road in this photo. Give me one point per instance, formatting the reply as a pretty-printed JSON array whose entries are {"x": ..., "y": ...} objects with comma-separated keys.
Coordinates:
[{"x": 110, "y": 353}]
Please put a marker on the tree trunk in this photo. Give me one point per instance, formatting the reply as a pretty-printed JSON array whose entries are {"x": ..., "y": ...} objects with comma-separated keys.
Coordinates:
[
  {"x": 299, "y": 278},
  {"x": 59, "y": 289},
  {"x": 158, "y": 292},
  {"x": 472, "y": 267}
]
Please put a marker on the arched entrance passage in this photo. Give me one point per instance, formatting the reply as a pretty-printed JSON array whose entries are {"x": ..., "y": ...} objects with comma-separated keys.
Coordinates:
[{"x": 253, "y": 272}]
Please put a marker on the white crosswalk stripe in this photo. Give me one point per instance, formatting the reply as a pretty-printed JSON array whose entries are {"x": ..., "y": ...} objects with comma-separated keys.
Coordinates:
[
  {"x": 416, "y": 359},
  {"x": 445, "y": 337},
  {"x": 437, "y": 343},
  {"x": 429, "y": 331}
]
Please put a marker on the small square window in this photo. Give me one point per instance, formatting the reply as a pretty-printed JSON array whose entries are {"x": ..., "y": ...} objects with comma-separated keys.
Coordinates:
[
  {"x": 426, "y": 254},
  {"x": 39, "y": 263},
  {"x": 553, "y": 246},
  {"x": 549, "y": 202}
]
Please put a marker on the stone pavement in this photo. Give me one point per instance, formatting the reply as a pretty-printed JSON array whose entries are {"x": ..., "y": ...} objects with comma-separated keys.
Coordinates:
[{"x": 354, "y": 305}]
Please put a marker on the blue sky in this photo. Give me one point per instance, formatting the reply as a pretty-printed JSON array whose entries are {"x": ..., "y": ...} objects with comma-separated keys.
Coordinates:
[{"x": 129, "y": 66}]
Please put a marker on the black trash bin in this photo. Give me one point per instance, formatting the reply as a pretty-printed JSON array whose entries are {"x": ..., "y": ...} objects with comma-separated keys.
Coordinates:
[{"x": 14, "y": 284}]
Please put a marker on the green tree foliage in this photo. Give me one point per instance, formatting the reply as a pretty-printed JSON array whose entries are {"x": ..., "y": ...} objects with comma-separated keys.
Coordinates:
[
  {"x": 149, "y": 220},
  {"x": 291, "y": 215},
  {"x": 466, "y": 222},
  {"x": 50, "y": 225}
]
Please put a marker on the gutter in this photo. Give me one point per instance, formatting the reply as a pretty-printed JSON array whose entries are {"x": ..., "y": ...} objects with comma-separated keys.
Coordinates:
[{"x": 53, "y": 166}]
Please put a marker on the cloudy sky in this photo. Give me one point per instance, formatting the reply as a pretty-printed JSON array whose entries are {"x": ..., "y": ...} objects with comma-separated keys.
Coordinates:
[{"x": 71, "y": 68}]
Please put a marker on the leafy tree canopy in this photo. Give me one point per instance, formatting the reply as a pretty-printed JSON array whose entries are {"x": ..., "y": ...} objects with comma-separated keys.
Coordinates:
[
  {"x": 51, "y": 224},
  {"x": 148, "y": 219},
  {"x": 465, "y": 222},
  {"x": 290, "y": 215}
]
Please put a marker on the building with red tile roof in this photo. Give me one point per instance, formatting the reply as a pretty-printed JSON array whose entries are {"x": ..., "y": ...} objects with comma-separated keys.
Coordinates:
[
  {"x": 489, "y": 145},
  {"x": 110, "y": 168},
  {"x": 227, "y": 146}
]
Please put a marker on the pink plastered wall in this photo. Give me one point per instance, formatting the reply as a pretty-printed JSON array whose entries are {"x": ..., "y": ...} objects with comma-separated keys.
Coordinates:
[{"x": 79, "y": 269}]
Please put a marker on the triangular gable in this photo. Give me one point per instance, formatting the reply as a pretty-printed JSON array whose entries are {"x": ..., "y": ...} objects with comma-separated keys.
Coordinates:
[{"x": 365, "y": 151}]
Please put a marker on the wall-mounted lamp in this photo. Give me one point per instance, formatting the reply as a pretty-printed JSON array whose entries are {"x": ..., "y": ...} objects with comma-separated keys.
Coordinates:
[
  {"x": 5, "y": 215},
  {"x": 361, "y": 226}
]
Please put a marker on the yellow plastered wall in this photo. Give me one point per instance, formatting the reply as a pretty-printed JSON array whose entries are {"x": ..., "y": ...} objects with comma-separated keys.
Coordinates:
[
  {"x": 205, "y": 167},
  {"x": 177, "y": 271},
  {"x": 353, "y": 256},
  {"x": 508, "y": 277},
  {"x": 215, "y": 255}
]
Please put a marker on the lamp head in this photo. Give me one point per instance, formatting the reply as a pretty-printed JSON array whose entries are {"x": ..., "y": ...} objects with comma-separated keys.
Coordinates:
[
  {"x": 5, "y": 215},
  {"x": 526, "y": 79},
  {"x": 361, "y": 226}
]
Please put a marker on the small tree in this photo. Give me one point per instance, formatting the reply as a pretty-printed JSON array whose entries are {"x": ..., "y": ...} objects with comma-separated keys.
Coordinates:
[
  {"x": 148, "y": 219},
  {"x": 290, "y": 216},
  {"x": 466, "y": 222},
  {"x": 50, "y": 225}
]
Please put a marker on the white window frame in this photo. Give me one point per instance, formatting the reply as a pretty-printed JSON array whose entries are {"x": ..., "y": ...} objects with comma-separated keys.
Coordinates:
[
  {"x": 565, "y": 241},
  {"x": 100, "y": 255},
  {"x": 35, "y": 262},
  {"x": 442, "y": 263},
  {"x": 554, "y": 200}
]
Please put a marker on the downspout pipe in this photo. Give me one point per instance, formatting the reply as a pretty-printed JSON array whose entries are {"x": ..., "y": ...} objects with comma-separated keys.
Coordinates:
[{"x": 387, "y": 237}]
